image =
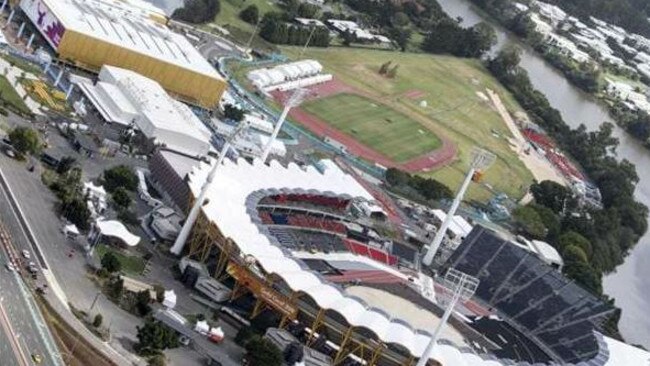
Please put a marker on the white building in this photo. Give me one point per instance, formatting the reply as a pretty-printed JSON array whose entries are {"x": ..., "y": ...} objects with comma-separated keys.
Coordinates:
[
  {"x": 554, "y": 14},
  {"x": 127, "y": 98},
  {"x": 128, "y": 34}
]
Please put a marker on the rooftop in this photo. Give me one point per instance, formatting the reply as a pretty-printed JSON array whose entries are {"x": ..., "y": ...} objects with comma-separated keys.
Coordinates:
[{"x": 131, "y": 24}]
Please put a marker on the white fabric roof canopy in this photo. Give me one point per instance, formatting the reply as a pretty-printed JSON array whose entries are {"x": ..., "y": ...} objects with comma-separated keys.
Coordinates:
[{"x": 117, "y": 230}]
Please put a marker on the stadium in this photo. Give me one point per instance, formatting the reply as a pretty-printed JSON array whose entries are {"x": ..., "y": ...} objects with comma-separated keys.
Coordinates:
[
  {"x": 297, "y": 243},
  {"x": 91, "y": 33}
]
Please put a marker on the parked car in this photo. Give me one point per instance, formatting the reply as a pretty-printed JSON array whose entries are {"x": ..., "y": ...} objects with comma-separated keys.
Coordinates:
[
  {"x": 10, "y": 267},
  {"x": 26, "y": 254}
]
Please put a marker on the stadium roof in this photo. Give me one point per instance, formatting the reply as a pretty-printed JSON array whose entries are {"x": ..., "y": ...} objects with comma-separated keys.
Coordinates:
[
  {"x": 130, "y": 25},
  {"x": 233, "y": 197}
]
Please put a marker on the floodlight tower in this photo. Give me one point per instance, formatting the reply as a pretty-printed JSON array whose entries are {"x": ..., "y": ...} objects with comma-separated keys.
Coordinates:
[
  {"x": 481, "y": 160},
  {"x": 463, "y": 286},
  {"x": 179, "y": 244},
  {"x": 297, "y": 97}
]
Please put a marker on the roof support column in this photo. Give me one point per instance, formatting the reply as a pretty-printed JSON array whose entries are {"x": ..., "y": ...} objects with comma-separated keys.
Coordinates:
[
  {"x": 58, "y": 77},
  {"x": 340, "y": 354},
  {"x": 11, "y": 16},
  {"x": 4, "y": 5},
  {"x": 318, "y": 321},
  {"x": 376, "y": 354},
  {"x": 21, "y": 30},
  {"x": 31, "y": 40}
]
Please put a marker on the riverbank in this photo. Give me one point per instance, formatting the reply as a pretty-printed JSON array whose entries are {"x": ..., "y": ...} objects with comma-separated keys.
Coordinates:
[{"x": 601, "y": 81}]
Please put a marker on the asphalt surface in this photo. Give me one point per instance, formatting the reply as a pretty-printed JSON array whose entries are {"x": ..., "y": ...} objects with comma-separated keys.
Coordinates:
[{"x": 23, "y": 330}]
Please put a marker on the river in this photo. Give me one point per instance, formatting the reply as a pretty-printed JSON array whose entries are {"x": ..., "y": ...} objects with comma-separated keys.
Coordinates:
[{"x": 630, "y": 283}]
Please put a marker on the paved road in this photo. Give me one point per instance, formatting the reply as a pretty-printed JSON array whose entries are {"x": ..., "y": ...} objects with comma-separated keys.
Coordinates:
[{"x": 23, "y": 329}]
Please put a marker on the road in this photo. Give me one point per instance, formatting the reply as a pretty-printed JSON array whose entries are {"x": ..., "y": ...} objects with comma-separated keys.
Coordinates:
[{"x": 22, "y": 328}]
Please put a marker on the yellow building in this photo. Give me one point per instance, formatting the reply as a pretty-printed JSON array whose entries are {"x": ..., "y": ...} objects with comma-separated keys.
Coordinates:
[{"x": 93, "y": 33}]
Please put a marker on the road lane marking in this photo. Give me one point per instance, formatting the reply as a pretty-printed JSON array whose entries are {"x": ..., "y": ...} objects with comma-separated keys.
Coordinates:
[{"x": 17, "y": 350}]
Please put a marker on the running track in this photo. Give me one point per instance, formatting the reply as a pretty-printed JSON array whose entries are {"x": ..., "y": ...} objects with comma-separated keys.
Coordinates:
[{"x": 432, "y": 160}]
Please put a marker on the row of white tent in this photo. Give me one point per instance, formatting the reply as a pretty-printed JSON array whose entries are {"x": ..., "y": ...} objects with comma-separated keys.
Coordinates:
[
  {"x": 265, "y": 77},
  {"x": 300, "y": 83}
]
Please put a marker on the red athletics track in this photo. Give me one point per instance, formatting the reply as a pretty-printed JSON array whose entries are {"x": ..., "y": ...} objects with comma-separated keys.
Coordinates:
[{"x": 445, "y": 154}]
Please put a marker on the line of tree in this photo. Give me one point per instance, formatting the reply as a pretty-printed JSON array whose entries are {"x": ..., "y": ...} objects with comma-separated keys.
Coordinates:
[
  {"x": 584, "y": 75},
  {"x": 425, "y": 188},
  {"x": 443, "y": 35},
  {"x": 197, "y": 11},
  {"x": 276, "y": 30},
  {"x": 611, "y": 231}
]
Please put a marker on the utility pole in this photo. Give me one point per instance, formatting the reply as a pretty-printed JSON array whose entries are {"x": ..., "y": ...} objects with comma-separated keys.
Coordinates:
[
  {"x": 481, "y": 160},
  {"x": 179, "y": 244}
]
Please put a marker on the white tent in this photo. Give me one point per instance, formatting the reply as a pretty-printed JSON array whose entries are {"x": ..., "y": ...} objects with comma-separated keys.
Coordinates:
[
  {"x": 202, "y": 327},
  {"x": 71, "y": 230},
  {"x": 170, "y": 299},
  {"x": 117, "y": 230}
]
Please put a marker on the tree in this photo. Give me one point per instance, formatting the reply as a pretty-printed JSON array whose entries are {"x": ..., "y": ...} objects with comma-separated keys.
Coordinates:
[
  {"x": 76, "y": 211},
  {"x": 584, "y": 275},
  {"x": 528, "y": 221},
  {"x": 154, "y": 337},
  {"x": 550, "y": 194},
  {"x": 120, "y": 176},
  {"x": 111, "y": 263},
  {"x": 157, "y": 360},
  {"x": 383, "y": 69},
  {"x": 392, "y": 72},
  {"x": 401, "y": 36},
  {"x": 250, "y": 14},
  {"x": 244, "y": 335},
  {"x": 571, "y": 238},
  {"x": 572, "y": 254},
  {"x": 197, "y": 11},
  {"x": 65, "y": 164},
  {"x": 115, "y": 288},
  {"x": 121, "y": 198},
  {"x": 400, "y": 19},
  {"x": 25, "y": 140},
  {"x": 97, "y": 322},
  {"x": 143, "y": 299},
  {"x": 233, "y": 113},
  {"x": 262, "y": 352}
]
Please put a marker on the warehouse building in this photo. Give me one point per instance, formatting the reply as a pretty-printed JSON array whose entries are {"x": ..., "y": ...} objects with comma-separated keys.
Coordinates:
[
  {"x": 126, "y": 98},
  {"x": 92, "y": 33}
]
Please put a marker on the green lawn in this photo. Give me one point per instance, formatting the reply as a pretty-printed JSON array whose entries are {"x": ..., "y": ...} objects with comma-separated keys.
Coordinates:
[
  {"x": 10, "y": 97},
  {"x": 449, "y": 85},
  {"x": 130, "y": 264},
  {"x": 228, "y": 18},
  {"x": 377, "y": 126}
]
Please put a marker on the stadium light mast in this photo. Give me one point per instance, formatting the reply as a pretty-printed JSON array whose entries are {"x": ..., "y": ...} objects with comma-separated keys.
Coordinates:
[
  {"x": 179, "y": 244},
  {"x": 481, "y": 160},
  {"x": 463, "y": 286},
  {"x": 297, "y": 97}
]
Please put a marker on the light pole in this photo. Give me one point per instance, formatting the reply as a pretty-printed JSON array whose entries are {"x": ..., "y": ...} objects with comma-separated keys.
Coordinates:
[
  {"x": 177, "y": 248},
  {"x": 463, "y": 286},
  {"x": 304, "y": 48},
  {"x": 481, "y": 160},
  {"x": 294, "y": 100}
]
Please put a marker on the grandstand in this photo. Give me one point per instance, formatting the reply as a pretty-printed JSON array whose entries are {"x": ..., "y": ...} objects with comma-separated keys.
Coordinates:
[
  {"x": 532, "y": 296},
  {"x": 282, "y": 235},
  {"x": 289, "y": 76}
]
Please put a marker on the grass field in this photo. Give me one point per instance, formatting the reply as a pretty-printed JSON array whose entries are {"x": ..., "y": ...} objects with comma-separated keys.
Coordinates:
[
  {"x": 449, "y": 85},
  {"x": 130, "y": 264},
  {"x": 10, "y": 97},
  {"x": 374, "y": 125},
  {"x": 228, "y": 18}
]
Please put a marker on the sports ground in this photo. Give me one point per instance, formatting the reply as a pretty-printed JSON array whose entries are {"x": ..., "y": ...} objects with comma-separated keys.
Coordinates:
[
  {"x": 442, "y": 96},
  {"x": 389, "y": 132}
]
